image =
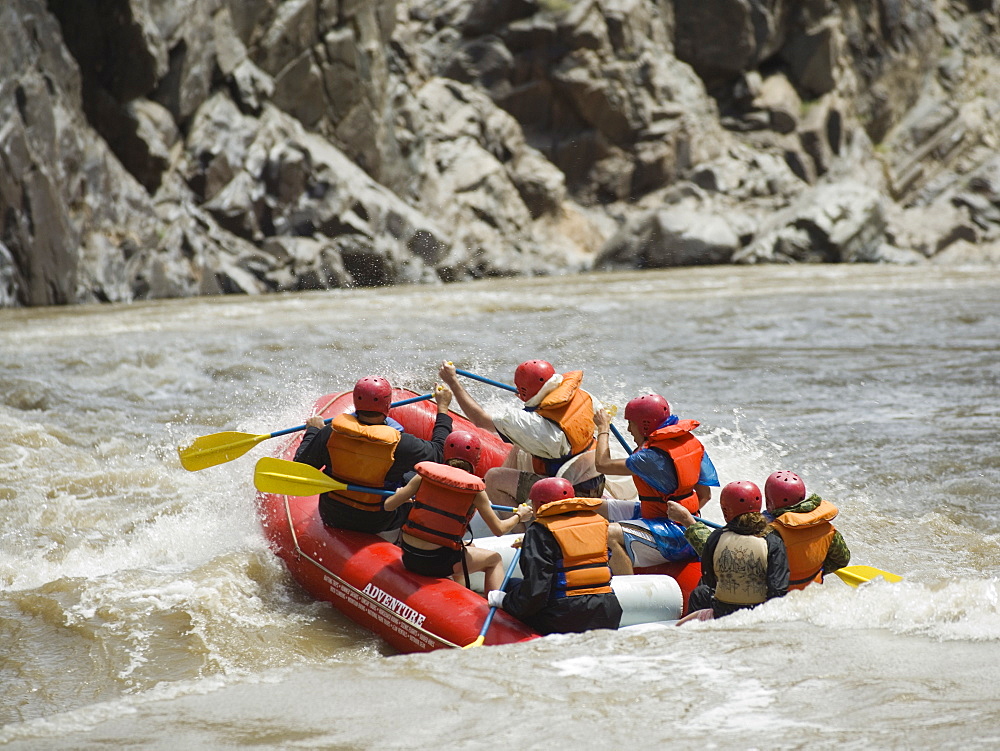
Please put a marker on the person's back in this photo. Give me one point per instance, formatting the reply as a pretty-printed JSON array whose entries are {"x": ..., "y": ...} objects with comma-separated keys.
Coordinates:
[
  {"x": 814, "y": 545},
  {"x": 369, "y": 449},
  {"x": 565, "y": 562},
  {"x": 669, "y": 466},
  {"x": 670, "y": 463},
  {"x": 560, "y": 400},
  {"x": 553, "y": 424},
  {"x": 444, "y": 498},
  {"x": 744, "y": 563}
]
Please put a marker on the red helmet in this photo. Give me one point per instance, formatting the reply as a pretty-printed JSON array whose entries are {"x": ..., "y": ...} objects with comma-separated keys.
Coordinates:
[
  {"x": 550, "y": 489},
  {"x": 372, "y": 394},
  {"x": 461, "y": 444},
  {"x": 530, "y": 376},
  {"x": 783, "y": 489},
  {"x": 739, "y": 497},
  {"x": 648, "y": 412}
]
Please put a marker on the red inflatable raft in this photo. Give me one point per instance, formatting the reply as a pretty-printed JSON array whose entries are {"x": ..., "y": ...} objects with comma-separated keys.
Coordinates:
[{"x": 363, "y": 576}]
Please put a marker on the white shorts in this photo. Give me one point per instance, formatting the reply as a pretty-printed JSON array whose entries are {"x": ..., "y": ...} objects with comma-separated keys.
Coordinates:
[{"x": 650, "y": 542}]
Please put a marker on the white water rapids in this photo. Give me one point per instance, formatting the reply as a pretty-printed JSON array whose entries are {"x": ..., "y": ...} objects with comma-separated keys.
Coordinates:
[{"x": 141, "y": 608}]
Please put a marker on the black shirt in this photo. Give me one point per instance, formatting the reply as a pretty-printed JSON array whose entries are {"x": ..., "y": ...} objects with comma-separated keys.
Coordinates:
[
  {"x": 530, "y": 600},
  {"x": 410, "y": 451}
]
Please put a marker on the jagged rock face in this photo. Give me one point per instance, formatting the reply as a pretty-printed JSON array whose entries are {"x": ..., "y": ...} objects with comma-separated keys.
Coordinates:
[
  {"x": 162, "y": 148},
  {"x": 41, "y": 156}
]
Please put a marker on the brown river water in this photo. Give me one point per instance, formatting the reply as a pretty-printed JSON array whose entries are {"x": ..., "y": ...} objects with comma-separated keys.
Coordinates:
[{"x": 141, "y": 608}]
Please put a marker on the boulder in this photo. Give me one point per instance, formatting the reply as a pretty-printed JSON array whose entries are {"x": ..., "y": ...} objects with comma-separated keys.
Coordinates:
[
  {"x": 831, "y": 223},
  {"x": 812, "y": 58},
  {"x": 670, "y": 237}
]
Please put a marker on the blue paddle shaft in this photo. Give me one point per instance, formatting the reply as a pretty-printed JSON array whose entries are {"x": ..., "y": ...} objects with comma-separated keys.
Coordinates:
[
  {"x": 621, "y": 439},
  {"x": 483, "y": 379},
  {"x": 506, "y": 578}
]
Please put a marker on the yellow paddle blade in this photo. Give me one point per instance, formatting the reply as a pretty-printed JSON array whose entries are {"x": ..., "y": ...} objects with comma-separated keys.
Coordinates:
[
  {"x": 855, "y": 575},
  {"x": 283, "y": 477},
  {"x": 477, "y": 643},
  {"x": 217, "y": 448}
]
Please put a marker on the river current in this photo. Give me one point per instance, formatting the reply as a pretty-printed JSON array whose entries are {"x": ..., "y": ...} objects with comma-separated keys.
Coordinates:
[{"x": 141, "y": 608}]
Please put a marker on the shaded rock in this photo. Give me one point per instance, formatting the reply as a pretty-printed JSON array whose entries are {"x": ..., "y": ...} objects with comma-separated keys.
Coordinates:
[
  {"x": 812, "y": 57},
  {"x": 305, "y": 263},
  {"x": 191, "y": 61},
  {"x": 722, "y": 38},
  {"x": 482, "y": 16},
  {"x": 298, "y": 90},
  {"x": 981, "y": 197},
  {"x": 832, "y": 223},
  {"x": 10, "y": 279},
  {"x": 292, "y": 31},
  {"x": 485, "y": 62},
  {"x": 670, "y": 237},
  {"x": 821, "y": 134},
  {"x": 716, "y": 38},
  {"x": 116, "y": 44},
  {"x": 43, "y": 145}
]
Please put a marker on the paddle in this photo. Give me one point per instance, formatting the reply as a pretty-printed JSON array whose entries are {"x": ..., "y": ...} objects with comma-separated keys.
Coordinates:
[
  {"x": 853, "y": 575},
  {"x": 513, "y": 389},
  {"x": 219, "y": 448},
  {"x": 484, "y": 379},
  {"x": 282, "y": 477},
  {"x": 489, "y": 617}
]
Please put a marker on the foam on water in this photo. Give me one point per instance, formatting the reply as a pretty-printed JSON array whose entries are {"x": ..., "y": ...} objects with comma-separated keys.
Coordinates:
[{"x": 123, "y": 575}]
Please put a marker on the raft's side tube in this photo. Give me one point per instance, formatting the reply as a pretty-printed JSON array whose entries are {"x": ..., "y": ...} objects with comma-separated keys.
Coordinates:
[
  {"x": 645, "y": 598},
  {"x": 648, "y": 598}
]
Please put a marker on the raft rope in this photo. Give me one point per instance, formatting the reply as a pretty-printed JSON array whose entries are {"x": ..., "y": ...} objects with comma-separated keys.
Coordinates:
[{"x": 299, "y": 552}]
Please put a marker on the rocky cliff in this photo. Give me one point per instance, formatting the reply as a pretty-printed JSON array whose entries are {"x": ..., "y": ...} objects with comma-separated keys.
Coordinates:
[{"x": 167, "y": 148}]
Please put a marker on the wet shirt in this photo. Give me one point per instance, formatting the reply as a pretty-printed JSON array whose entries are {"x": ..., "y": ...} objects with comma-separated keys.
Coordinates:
[
  {"x": 657, "y": 469},
  {"x": 530, "y": 600},
  {"x": 410, "y": 450}
]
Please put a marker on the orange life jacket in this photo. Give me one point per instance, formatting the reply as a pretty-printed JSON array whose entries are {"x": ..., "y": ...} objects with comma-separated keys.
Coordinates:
[
  {"x": 572, "y": 409},
  {"x": 360, "y": 455},
  {"x": 443, "y": 504},
  {"x": 807, "y": 540},
  {"x": 582, "y": 535},
  {"x": 685, "y": 452}
]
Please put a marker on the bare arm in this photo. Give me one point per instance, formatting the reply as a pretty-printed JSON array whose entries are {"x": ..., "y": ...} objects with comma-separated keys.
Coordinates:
[
  {"x": 603, "y": 462},
  {"x": 402, "y": 495},
  {"x": 469, "y": 406},
  {"x": 679, "y": 515},
  {"x": 704, "y": 495},
  {"x": 497, "y": 525}
]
